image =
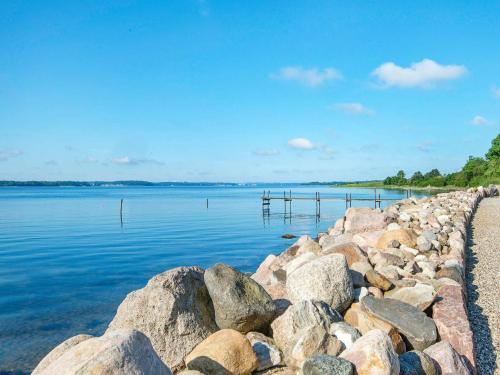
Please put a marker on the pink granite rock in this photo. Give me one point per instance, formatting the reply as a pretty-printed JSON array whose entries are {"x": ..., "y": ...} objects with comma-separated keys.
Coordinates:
[
  {"x": 264, "y": 272},
  {"x": 450, "y": 315},
  {"x": 363, "y": 219},
  {"x": 447, "y": 360}
]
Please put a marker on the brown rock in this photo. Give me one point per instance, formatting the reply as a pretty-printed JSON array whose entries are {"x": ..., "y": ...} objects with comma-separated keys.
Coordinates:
[
  {"x": 450, "y": 315},
  {"x": 225, "y": 352},
  {"x": 375, "y": 292},
  {"x": 350, "y": 250},
  {"x": 403, "y": 236},
  {"x": 378, "y": 280}
]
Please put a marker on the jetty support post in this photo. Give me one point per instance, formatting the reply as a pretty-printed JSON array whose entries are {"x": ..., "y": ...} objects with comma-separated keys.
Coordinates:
[{"x": 121, "y": 212}]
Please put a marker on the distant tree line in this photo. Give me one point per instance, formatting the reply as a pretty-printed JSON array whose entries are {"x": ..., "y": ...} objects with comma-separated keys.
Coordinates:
[{"x": 476, "y": 171}]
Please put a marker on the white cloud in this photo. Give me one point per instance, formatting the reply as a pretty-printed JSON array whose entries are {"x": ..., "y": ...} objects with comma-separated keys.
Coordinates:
[
  {"x": 479, "y": 120},
  {"x": 354, "y": 109},
  {"x": 9, "y": 154},
  {"x": 301, "y": 144},
  {"x": 125, "y": 160},
  {"x": 266, "y": 152},
  {"x": 424, "y": 74},
  {"x": 309, "y": 77}
]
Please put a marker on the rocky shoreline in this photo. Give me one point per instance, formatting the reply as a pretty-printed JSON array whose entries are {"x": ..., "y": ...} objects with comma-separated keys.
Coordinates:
[{"x": 382, "y": 292}]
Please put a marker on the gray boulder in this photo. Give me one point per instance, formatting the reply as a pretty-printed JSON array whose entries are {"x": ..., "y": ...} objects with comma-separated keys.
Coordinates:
[
  {"x": 174, "y": 310},
  {"x": 416, "y": 363},
  {"x": 326, "y": 279},
  {"x": 417, "y": 327},
  {"x": 240, "y": 303},
  {"x": 326, "y": 365},
  {"x": 303, "y": 331},
  {"x": 121, "y": 352}
]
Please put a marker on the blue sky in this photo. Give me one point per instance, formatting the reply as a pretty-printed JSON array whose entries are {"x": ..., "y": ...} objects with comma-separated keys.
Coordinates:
[{"x": 207, "y": 90}]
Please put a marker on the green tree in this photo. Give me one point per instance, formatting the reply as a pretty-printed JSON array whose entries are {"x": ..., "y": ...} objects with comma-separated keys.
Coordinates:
[
  {"x": 417, "y": 176},
  {"x": 433, "y": 173},
  {"x": 494, "y": 151},
  {"x": 474, "y": 168}
]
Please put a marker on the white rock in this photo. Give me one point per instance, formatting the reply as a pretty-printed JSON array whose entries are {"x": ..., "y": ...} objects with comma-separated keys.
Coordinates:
[
  {"x": 405, "y": 216},
  {"x": 373, "y": 354},
  {"x": 393, "y": 226},
  {"x": 121, "y": 352},
  {"x": 268, "y": 354},
  {"x": 443, "y": 219},
  {"x": 346, "y": 333}
]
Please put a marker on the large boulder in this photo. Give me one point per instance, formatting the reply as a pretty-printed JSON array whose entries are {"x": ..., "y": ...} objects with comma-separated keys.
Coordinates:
[
  {"x": 418, "y": 328},
  {"x": 326, "y": 278},
  {"x": 225, "y": 352},
  {"x": 405, "y": 237},
  {"x": 121, "y": 352},
  {"x": 58, "y": 351},
  {"x": 326, "y": 365},
  {"x": 304, "y": 330},
  {"x": 446, "y": 359},
  {"x": 240, "y": 303},
  {"x": 450, "y": 315},
  {"x": 417, "y": 363},
  {"x": 373, "y": 354},
  {"x": 364, "y": 219},
  {"x": 174, "y": 310}
]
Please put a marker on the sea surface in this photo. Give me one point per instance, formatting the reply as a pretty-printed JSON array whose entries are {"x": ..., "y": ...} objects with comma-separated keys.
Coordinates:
[{"x": 67, "y": 259}]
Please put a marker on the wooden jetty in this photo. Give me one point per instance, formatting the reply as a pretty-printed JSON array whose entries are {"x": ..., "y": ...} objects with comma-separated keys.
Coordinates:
[{"x": 287, "y": 199}]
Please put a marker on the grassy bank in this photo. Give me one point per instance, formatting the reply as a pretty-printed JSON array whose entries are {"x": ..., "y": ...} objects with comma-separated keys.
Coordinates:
[{"x": 380, "y": 185}]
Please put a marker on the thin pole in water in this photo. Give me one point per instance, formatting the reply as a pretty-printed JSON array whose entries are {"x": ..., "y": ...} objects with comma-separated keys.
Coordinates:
[
  {"x": 121, "y": 212},
  {"x": 207, "y": 202}
]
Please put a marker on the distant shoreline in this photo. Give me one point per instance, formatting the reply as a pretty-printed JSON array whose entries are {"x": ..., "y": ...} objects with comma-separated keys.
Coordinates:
[{"x": 12, "y": 183}]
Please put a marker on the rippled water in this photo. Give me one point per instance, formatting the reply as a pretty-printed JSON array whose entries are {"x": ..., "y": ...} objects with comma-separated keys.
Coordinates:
[{"x": 66, "y": 261}]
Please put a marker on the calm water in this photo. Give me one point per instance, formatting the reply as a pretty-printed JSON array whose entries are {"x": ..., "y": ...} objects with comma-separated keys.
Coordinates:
[{"x": 66, "y": 262}]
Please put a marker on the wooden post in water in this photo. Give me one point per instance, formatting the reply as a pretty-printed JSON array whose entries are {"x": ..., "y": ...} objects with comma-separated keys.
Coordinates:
[
  {"x": 319, "y": 204},
  {"x": 207, "y": 202},
  {"x": 121, "y": 211}
]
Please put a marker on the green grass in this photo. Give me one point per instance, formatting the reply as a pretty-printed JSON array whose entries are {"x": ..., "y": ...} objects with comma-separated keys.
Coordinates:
[{"x": 380, "y": 185}]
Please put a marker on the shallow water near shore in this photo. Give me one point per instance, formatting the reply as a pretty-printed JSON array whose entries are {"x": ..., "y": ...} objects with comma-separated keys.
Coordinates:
[{"x": 67, "y": 261}]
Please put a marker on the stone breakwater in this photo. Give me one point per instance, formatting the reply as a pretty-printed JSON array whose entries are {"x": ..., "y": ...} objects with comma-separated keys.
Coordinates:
[{"x": 381, "y": 293}]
